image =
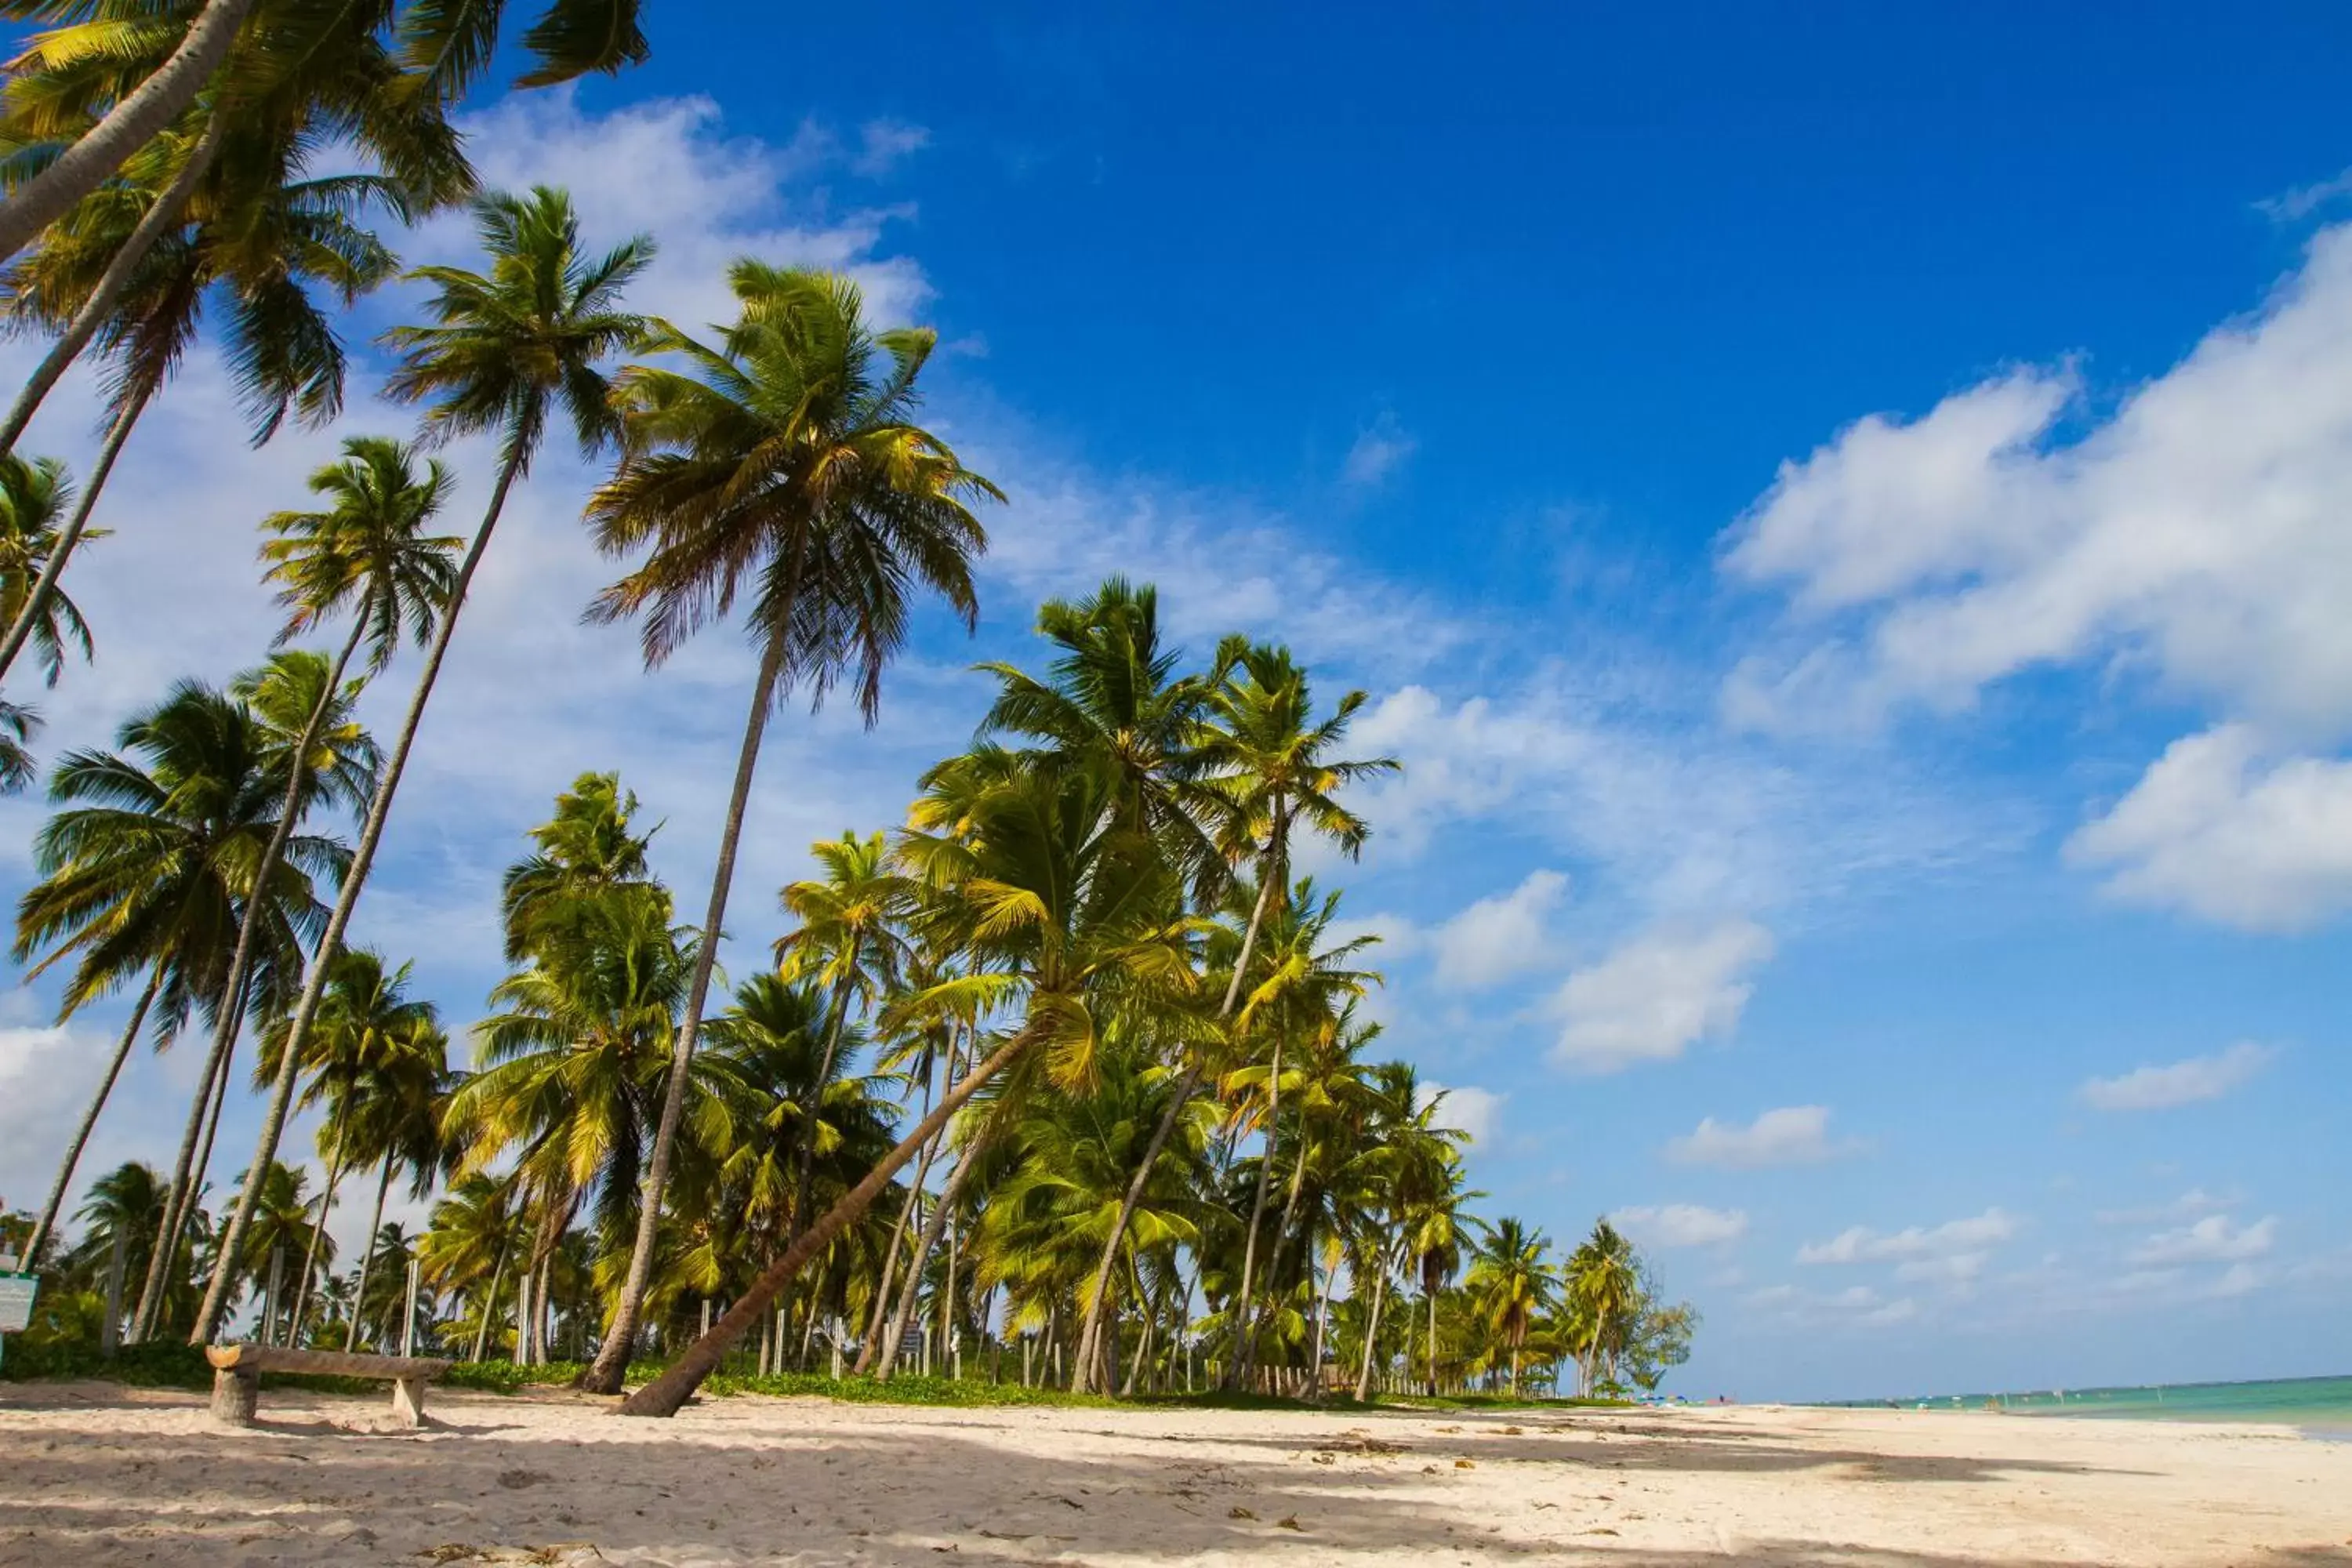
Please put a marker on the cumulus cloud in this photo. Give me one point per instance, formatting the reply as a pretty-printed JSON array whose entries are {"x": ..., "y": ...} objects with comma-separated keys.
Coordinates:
[
  {"x": 1657, "y": 995},
  {"x": 1790, "y": 1135},
  {"x": 1500, "y": 937},
  {"x": 2218, "y": 827},
  {"x": 1381, "y": 449},
  {"x": 1465, "y": 1108},
  {"x": 2213, "y": 1239},
  {"x": 1956, "y": 1237},
  {"x": 1857, "y": 1306},
  {"x": 1680, "y": 1225},
  {"x": 2178, "y": 1083}
]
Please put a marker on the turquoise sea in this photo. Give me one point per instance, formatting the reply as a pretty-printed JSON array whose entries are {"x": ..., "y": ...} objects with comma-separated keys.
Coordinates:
[{"x": 2320, "y": 1405}]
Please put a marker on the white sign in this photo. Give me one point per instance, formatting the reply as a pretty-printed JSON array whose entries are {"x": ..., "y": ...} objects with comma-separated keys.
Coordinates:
[{"x": 17, "y": 1292}]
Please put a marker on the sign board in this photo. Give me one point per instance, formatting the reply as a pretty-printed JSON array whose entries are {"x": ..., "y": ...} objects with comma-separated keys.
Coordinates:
[{"x": 17, "y": 1293}]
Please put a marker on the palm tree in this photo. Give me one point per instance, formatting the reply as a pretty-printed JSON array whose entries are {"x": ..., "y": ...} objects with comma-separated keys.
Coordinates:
[
  {"x": 366, "y": 1022},
  {"x": 282, "y": 1228},
  {"x": 32, "y": 497},
  {"x": 468, "y": 1240},
  {"x": 123, "y": 1208},
  {"x": 1512, "y": 1284},
  {"x": 1604, "y": 1283},
  {"x": 507, "y": 347},
  {"x": 451, "y": 44},
  {"x": 398, "y": 1120},
  {"x": 584, "y": 851},
  {"x": 848, "y": 942},
  {"x": 148, "y": 867},
  {"x": 1268, "y": 761},
  {"x": 783, "y": 462},
  {"x": 1065, "y": 913}
]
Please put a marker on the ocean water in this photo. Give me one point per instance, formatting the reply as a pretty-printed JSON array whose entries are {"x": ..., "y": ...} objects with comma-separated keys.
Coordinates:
[{"x": 2322, "y": 1405}]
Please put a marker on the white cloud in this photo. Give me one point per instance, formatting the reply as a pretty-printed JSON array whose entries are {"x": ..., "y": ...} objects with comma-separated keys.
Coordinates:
[
  {"x": 2300, "y": 203},
  {"x": 1500, "y": 937},
  {"x": 2213, "y": 1239},
  {"x": 1790, "y": 1135},
  {"x": 1956, "y": 1269},
  {"x": 1466, "y": 1108},
  {"x": 1953, "y": 1237},
  {"x": 2178, "y": 1083},
  {"x": 1657, "y": 995},
  {"x": 2196, "y": 529},
  {"x": 884, "y": 145},
  {"x": 2190, "y": 1204},
  {"x": 1858, "y": 1306},
  {"x": 1381, "y": 449},
  {"x": 2221, "y": 829},
  {"x": 1682, "y": 1224}
]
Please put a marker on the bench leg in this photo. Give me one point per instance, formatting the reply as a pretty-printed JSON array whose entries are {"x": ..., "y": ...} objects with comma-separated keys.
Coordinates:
[
  {"x": 235, "y": 1393},
  {"x": 408, "y": 1401}
]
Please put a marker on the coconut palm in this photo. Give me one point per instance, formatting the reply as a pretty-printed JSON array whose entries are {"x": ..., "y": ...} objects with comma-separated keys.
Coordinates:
[
  {"x": 33, "y": 497},
  {"x": 147, "y": 870},
  {"x": 368, "y": 1018},
  {"x": 282, "y": 1230},
  {"x": 585, "y": 850},
  {"x": 1512, "y": 1284},
  {"x": 124, "y": 1206},
  {"x": 397, "y": 1120},
  {"x": 451, "y": 42},
  {"x": 1605, "y": 1286},
  {"x": 781, "y": 463},
  {"x": 470, "y": 1239},
  {"x": 506, "y": 350}
]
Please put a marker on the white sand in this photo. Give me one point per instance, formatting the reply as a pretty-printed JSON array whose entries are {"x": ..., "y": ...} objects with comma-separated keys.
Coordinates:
[{"x": 92, "y": 1475}]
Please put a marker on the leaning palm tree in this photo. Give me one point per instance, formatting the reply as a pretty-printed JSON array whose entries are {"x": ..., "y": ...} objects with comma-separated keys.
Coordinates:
[
  {"x": 781, "y": 463},
  {"x": 506, "y": 350},
  {"x": 451, "y": 43},
  {"x": 146, "y": 870}
]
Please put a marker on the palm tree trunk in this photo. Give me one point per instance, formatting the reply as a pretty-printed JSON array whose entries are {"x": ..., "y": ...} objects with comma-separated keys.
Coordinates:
[
  {"x": 604, "y": 1376},
  {"x": 48, "y": 1220},
  {"x": 875, "y": 1319},
  {"x": 824, "y": 1070},
  {"x": 130, "y": 124},
  {"x": 112, "y": 283},
  {"x": 666, "y": 1394},
  {"x": 1133, "y": 1198},
  {"x": 933, "y": 1228},
  {"x": 310, "y": 1253},
  {"x": 1433, "y": 1345},
  {"x": 314, "y": 985},
  {"x": 367, "y": 1252},
  {"x": 1372, "y": 1334},
  {"x": 489, "y": 1303},
  {"x": 28, "y": 615},
  {"x": 161, "y": 1259}
]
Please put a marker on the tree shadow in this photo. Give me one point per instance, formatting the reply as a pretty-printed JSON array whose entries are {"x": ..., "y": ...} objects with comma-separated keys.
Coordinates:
[{"x": 320, "y": 1484}]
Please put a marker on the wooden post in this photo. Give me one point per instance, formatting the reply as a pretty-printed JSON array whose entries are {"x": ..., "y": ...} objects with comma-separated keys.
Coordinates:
[
  {"x": 110, "y": 1333},
  {"x": 235, "y": 1393},
  {"x": 522, "y": 1319},
  {"x": 269, "y": 1300}
]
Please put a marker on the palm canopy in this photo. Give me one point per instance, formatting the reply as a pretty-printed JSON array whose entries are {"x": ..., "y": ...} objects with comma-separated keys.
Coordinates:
[
  {"x": 781, "y": 463},
  {"x": 506, "y": 347},
  {"x": 34, "y": 498},
  {"x": 366, "y": 553},
  {"x": 585, "y": 853},
  {"x": 151, "y": 859},
  {"x": 1268, "y": 756}
]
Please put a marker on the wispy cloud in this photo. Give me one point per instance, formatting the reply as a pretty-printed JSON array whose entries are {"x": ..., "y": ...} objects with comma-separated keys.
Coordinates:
[
  {"x": 1682, "y": 1224},
  {"x": 884, "y": 145},
  {"x": 1859, "y": 1244},
  {"x": 2301, "y": 202},
  {"x": 1790, "y": 1135},
  {"x": 1380, "y": 450},
  {"x": 2179, "y": 1083},
  {"x": 2213, "y": 1239}
]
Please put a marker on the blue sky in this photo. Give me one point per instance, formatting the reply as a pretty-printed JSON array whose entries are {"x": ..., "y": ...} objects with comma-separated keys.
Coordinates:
[{"x": 1841, "y": 514}]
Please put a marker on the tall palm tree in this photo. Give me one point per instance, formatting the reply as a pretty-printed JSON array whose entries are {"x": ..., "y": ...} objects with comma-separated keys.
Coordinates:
[
  {"x": 785, "y": 463},
  {"x": 397, "y": 1120},
  {"x": 282, "y": 1230},
  {"x": 1268, "y": 762},
  {"x": 33, "y": 496},
  {"x": 124, "y": 1206},
  {"x": 1605, "y": 1286},
  {"x": 586, "y": 850},
  {"x": 147, "y": 870},
  {"x": 506, "y": 350},
  {"x": 1065, "y": 915},
  {"x": 848, "y": 942},
  {"x": 366, "y": 1022},
  {"x": 1512, "y": 1283},
  {"x": 451, "y": 42}
]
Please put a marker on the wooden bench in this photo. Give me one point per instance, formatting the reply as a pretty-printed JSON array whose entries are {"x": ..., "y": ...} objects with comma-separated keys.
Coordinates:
[{"x": 238, "y": 1369}]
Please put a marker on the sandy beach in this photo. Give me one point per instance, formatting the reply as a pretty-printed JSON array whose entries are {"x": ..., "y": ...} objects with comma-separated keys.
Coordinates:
[{"x": 95, "y": 1475}]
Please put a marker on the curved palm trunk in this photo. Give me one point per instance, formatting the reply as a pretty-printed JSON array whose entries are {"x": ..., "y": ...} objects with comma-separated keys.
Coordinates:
[
  {"x": 129, "y": 126},
  {"x": 310, "y": 1252},
  {"x": 48, "y": 1220},
  {"x": 1282, "y": 1239},
  {"x": 491, "y": 1302},
  {"x": 314, "y": 985},
  {"x": 1133, "y": 1198},
  {"x": 28, "y": 615},
  {"x": 934, "y": 1227},
  {"x": 367, "y": 1255},
  {"x": 605, "y": 1374},
  {"x": 111, "y": 284},
  {"x": 665, "y": 1393},
  {"x": 872, "y": 1343},
  {"x": 161, "y": 1259},
  {"x": 831, "y": 1035}
]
